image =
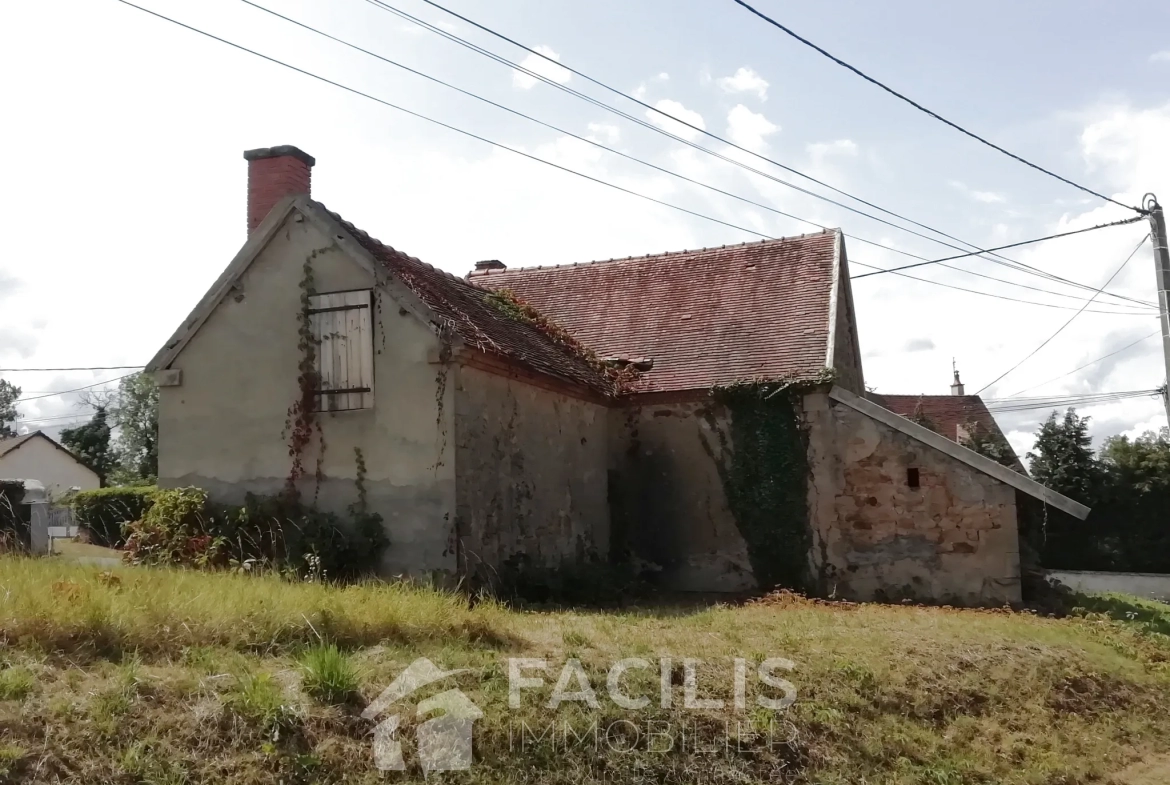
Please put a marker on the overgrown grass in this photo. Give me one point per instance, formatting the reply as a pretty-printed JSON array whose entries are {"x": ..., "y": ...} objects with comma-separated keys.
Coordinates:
[
  {"x": 328, "y": 674},
  {"x": 78, "y": 609},
  {"x": 248, "y": 680}
]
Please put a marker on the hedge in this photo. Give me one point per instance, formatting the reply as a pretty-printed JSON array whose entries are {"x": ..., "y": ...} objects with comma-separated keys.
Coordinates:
[{"x": 102, "y": 512}]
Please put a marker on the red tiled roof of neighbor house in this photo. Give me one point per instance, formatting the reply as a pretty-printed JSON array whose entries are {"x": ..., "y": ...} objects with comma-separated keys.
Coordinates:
[
  {"x": 477, "y": 322},
  {"x": 947, "y": 414},
  {"x": 705, "y": 317}
]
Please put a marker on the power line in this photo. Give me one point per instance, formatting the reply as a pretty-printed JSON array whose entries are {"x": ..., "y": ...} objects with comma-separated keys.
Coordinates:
[
  {"x": 1085, "y": 400},
  {"x": 75, "y": 389},
  {"x": 635, "y": 159},
  {"x": 1092, "y": 362},
  {"x": 1070, "y": 319},
  {"x": 94, "y": 368},
  {"x": 441, "y": 124},
  {"x": 504, "y": 61},
  {"x": 999, "y": 296},
  {"x": 1122, "y": 222},
  {"x": 922, "y": 108}
]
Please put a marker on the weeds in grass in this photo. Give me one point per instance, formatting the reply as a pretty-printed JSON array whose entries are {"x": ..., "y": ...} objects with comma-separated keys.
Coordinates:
[
  {"x": 10, "y": 756},
  {"x": 575, "y": 639},
  {"x": 259, "y": 697},
  {"x": 328, "y": 674},
  {"x": 16, "y": 683}
]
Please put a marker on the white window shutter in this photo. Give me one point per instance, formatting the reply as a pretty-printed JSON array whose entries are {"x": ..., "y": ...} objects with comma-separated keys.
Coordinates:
[{"x": 342, "y": 325}]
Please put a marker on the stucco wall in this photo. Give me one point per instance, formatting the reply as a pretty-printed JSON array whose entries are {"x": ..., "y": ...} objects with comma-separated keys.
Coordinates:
[
  {"x": 531, "y": 467},
  {"x": 223, "y": 428},
  {"x": 38, "y": 459},
  {"x": 952, "y": 539},
  {"x": 669, "y": 506}
]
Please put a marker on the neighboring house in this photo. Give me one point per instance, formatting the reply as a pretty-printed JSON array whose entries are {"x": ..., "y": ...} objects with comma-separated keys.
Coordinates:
[
  {"x": 488, "y": 434},
  {"x": 957, "y": 416},
  {"x": 36, "y": 456}
]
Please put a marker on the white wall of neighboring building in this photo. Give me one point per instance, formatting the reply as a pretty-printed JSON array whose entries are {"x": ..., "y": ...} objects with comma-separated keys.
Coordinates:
[{"x": 38, "y": 458}]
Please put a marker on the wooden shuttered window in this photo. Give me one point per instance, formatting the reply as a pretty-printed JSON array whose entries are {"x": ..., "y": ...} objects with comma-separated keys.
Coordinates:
[{"x": 343, "y": 329}]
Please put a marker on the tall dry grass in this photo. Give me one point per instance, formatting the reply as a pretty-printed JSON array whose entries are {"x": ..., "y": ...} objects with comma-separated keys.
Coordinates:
[{"x": 78, "y": 609}]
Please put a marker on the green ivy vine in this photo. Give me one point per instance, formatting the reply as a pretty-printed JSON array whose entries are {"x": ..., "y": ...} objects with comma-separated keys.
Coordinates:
[
  {"x": 301, "y": 420},
  {"x": 763, "y": 466}
]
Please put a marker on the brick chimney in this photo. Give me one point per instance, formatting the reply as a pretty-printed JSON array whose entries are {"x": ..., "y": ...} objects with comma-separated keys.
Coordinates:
[{"x": 274, "y": 173}]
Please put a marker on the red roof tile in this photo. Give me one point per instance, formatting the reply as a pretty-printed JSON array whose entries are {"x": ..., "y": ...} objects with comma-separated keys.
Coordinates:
[
  {"x": 947, "y": 414},
  {"x": 464, "y": 308},
  {"x": 705, "y": 317}
]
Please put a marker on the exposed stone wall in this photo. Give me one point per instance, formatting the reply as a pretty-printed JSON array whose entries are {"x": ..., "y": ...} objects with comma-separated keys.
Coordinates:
[
  {"x": 668, "y": 503},
  {"x": 531, "y": 473},
  {"x": 952, "y": 539}
]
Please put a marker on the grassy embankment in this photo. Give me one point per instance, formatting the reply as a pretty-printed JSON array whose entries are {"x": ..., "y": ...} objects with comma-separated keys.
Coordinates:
[{"x": 157, "y": 676}]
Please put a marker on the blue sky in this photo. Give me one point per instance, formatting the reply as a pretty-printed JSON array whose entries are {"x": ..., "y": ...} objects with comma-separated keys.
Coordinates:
[{"x": 125, "y": 182}]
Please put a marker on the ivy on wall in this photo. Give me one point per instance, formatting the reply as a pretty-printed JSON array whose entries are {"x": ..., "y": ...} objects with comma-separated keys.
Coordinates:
[{"x": 764, "y": 469}]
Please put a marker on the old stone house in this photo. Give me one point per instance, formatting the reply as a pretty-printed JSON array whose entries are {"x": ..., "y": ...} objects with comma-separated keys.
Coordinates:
[{"x": 701, "y": 410}]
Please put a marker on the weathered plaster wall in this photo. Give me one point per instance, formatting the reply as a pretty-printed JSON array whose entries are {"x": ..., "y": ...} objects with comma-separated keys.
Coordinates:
[
  {"x": 953, "y": 539},
  {"x": 531, "y": 468},
  {"x": 222, "y": 428},
  {"x": 38, "y": 459},
  {"x": 669, "y": 506}
]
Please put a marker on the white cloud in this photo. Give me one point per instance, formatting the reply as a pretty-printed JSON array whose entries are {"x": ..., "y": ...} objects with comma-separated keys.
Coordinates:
[
  {"x": 748, "y": 129},
  {"x": 604, "y": 132},
  {"x": 984, "y": 197},
  {"x": 1160, "y": 57},
  {"x": 675, "y": 109},
  {"x": 539, "y": 65},
  {"x": 745, "y": 80},
  {"x": 819, "y": 151}
]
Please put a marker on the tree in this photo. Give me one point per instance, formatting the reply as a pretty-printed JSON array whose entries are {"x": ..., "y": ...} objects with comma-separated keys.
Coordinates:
[
  {"x": 9, "y": 393},
  {"x": 1063, "y": 458},
  {"x": 91, "y": 443},
  {"x": 136, "y": 417},
  {"x": 988, "y": 444},
  {"x": 1142, "y": 464},
  {"x": 918, "y": 416}
]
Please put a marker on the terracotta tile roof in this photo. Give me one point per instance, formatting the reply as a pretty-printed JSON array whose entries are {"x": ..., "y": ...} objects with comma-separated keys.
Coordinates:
[
  {"x": 705, "y": 317},
  {"x": 949, "y": 415},
  {"x": 463, "y": 306}
]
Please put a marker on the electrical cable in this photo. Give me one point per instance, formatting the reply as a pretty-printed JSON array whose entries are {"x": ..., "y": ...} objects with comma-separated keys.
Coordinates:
[
  {"x": 922, "y": 108},
  {"x": 491, "y": 55},
  {"x": 1092, "y": 362},
  {"x": 635, "y": 159},
  {"x": 75, "y": 389},
  {"x": 1066, "y": 324}
]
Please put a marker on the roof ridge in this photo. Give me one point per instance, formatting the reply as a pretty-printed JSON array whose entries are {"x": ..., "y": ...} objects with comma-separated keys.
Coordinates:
[{"x": 660, "y": 255}]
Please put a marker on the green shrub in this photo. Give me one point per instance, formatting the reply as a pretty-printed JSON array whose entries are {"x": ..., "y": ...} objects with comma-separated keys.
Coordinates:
[
  {"x": 183, "y": 529},
  {"x": 102, "y": 512},
  {"x": 328, "y": 674}
]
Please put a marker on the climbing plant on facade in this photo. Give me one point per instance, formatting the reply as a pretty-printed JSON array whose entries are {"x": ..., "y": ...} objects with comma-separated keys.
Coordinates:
[{"x": 763, "y": 465}]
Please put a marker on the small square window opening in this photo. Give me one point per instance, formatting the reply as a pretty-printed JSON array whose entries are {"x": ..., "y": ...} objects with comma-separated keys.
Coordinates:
[{"x": 912, "y": 477}]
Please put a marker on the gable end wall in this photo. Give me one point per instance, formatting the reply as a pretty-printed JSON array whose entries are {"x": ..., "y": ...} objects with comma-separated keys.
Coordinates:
[{"x": 223, "y": 428}]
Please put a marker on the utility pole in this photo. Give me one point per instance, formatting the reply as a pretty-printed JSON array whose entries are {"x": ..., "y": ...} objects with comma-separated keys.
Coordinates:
[{"x": 1162, "y": 268}]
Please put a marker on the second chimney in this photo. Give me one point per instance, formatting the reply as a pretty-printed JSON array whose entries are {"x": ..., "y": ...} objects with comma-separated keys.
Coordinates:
[{"x": 274, "y": 173}]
